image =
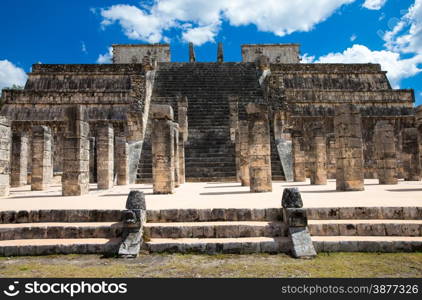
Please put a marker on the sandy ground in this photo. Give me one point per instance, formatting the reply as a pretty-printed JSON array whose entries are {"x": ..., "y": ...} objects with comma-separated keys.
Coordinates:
[{"x": 218, "y": 195}]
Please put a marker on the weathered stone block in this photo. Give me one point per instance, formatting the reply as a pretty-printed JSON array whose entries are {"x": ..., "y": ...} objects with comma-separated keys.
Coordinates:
[{"x": 291, "y": 198}]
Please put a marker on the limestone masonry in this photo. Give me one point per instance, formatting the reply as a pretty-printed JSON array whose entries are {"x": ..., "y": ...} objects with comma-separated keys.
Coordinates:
[
  {"x": 146, "y": 119},
  {"x": 211, "y": 98}
]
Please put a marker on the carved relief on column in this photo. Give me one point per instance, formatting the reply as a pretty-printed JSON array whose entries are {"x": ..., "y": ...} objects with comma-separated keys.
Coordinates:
[
  {"x": 244, "y": 152},
  {"x": 259, "y": 148},
  {"x": 349, "y": 160},
  {"x": 105, "y": 155},
  {"x": 75, "y": 179},
  {"x": 299, "y": 171},
  {"x": 41, "y": 158},
  {"x": 122, "y": 160},
  {"x": 182, "y": 115},
  {"x": 319, "y": 155},
  {"x": 176, "y": 155},
  {"x": 19, "y": 163},
  {"x": 385, "y": 153},
  {"x": 5, "y": 155},
  {"x": 162, "y": 140},
  {"x": 411, "y": 158}
]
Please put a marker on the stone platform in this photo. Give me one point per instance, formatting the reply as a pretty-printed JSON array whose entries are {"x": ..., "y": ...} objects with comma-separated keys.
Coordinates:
[
  {"x": 213, "y": 218},
  {"x": 219, "y": 195}
]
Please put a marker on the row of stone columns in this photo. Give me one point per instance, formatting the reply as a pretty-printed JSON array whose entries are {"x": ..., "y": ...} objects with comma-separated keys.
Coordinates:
[{"x": 80, "y": 165}]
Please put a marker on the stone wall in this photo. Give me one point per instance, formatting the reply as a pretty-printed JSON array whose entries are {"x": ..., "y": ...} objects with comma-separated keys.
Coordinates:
[
  {"x": 134, "y": 54},
  {"x": 276, "y": 53}
]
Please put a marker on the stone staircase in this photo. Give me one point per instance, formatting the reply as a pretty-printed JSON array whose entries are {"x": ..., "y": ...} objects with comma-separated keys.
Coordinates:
[
  {"x": 350, "y": 229},
  {"x": 366, "y": 229},
  {"x": 45, "y": 232},
  {"x": 209, "y": 153},
  {"x": 216, "y": 231}
]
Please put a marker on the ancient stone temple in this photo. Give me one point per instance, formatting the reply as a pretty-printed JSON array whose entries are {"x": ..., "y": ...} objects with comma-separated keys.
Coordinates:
[{"x": 287, "y": 101}]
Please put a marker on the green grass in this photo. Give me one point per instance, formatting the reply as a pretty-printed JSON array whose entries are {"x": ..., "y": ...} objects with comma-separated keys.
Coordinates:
[{"x": 192, "y": 265}]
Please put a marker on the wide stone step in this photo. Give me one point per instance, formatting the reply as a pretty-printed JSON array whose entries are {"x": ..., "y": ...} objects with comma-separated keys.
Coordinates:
[
  {"x": 357, "y": 213},
  {"x": 214, "y": 215},
  {"x": 224, "y": 245},
  {"x": 60, "y": 215},
  {"x": 59, "y": 230},
  {"x": 379, "y": 227},
  {"x": 367, "y": 244},
  {"x": 59, "y": 246},
  {"x": 232, "y": 229}
]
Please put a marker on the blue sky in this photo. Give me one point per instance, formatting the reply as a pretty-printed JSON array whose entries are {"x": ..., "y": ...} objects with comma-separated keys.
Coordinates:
[{"x": 55, "y": 31}]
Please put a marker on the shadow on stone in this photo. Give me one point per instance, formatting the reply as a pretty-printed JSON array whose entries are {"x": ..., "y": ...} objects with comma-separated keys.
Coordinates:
[
  {"x": 225, "y": 193},
  {"x": 405, "y": 190},
  {"x": 321, "y": 191},
  {"x": 222, "y": 186}
]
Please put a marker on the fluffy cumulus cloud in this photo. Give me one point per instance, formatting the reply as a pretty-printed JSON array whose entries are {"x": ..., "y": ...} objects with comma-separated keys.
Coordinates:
[
  {"x": 402, "y": 56},
  {"x": 199, "y": 20},
  {"x": 106, "y": 58},
  {"x": 396, "y": 67},
  {"x": 374, "y": 4},
  {"x": 11, "y": 75}
]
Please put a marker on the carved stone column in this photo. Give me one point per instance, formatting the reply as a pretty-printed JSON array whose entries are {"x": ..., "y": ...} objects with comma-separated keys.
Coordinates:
[
  {"x": 105, "y": 155},
  {"x": 244, "y": 152},
  {"x": 19, "y": 163},
  {"x": 385, "y": 153},
  {"x": 122, "y": 157},
  {"x": 5, "y": 146},
  {"x": 41, "y": 158},
  {"x": 182, "y": 118},
  {"x": 349, "y": 160},
  {"x": 411, "y": 159},
  {"x": 75, "y": 179},
  {"x": 176, "y": 155},
  {"x": 259, "y": 148},
  {"x": 162, "y": 139},
  {"x": 319, "y": 156},
  {"x": 92, "y": 160},
  {"x": 299, "y": 170}
]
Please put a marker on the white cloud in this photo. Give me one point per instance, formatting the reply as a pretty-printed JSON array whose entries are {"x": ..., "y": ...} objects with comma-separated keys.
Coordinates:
[
  {"x": 200, "y": 35},
  {"x": 11, "y": 75},
  {"x": 198, "y": 20},
  {"x": 353, "y": 37},
  {"x": 106, "y": 58},
  {"x": 374, "y": 4},
  {"x": 406, "y": 36},
  {"x": 390, "y": 61},
  {"x": 307, "y": 59}
]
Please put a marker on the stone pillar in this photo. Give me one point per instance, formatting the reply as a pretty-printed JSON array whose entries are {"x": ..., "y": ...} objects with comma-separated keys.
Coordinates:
[
  {"x": 419, "y": 127},
  {"x": 349, "y": 158},
  {"x": 331, "y": 158},
  {"x": 182, "y": 118},
  {"x": 259, "y": 148},
  {"x": 176, "y": 155},
  {"x": 385, "y": 153},
  {"x": 192, "y": 56},
  {"x": 244, "y": 152},
  {"x": 92, "y": 160},
  {"x": 122, "y": 159},
  {"x": 181, "y": 152},
  {"x": 5, "y": 147},
  {"x": 75, "y": 179},
  {"x": 220, "y": 54},
  {"x": 411, "y": 159},
  {"x": 19, "y": 163},
  {"x": 319, "y": 156},
  {"x": 162, "y": 140},
  {"x": 41, "y": 158},
  {"x": 105, "y": 155},
  {"x": 299, "y": 172}
]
